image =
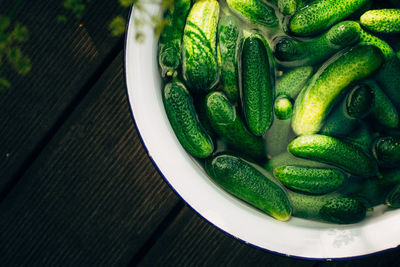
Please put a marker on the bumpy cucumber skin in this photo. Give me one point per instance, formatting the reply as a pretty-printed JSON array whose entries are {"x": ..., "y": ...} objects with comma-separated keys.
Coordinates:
[
  {"x": 245, "y": 181},
  {"x": 320, "y": 15},
  {"x": 383, "y": 110},
  {"x": 169, "y": 46},
  {"x": 257, "y": 88},
  {"x": 333, "y": 151},
  {"x": 228, "y": 36},
  {"x": 310, "y": 179},
  {"x": 183, "y": 119},
  {"x": 227, "y": 124},
  {"x": 387, "y": 151},
  {"x": 283, "y": 108},
  {"x": 331, "y": 208},
  {"x": 199, "y": 59},
  {"x": 288, "y": 7},
  {"x": 316, "y": 50},
  {"x": 291, "y": 83},
  {"x": 393, "y": 198},
  {"x": 255, "y": 11},
  {"x": 382, "y": 20},
  {"x": 315, "y": 101}
]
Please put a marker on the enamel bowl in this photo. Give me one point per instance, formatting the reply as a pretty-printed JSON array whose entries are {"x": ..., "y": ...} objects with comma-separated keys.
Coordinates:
[{"x": 297, "y": 237}]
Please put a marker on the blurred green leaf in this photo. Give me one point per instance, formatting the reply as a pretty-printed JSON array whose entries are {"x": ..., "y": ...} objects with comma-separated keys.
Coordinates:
[
  {"x": 19, "y": 34},
  {"x": 4, "y": 22},
  {"x": 4, "y": 84},
  {"x": 117, "y": 26},
  {"x": 23, "y": 65}
]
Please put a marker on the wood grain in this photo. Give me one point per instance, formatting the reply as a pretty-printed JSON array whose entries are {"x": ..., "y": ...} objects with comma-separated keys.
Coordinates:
[
  {"x": 191, "y": 241},
  {"x": 92, "y": 197},
  {"x": 66, "y": 58}
]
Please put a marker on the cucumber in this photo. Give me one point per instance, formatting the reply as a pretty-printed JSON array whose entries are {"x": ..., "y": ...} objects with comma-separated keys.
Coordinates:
[
  {"x": 169, "y": 46},
  {"x": 382, "y": 20},
  {"x": 286, "y": 158},
  {"x": 390, "y": 177},
  {"x": 320, "y": 15},
  {"x": 288, "y": 7},
  {"x": 393, "y": 198},
  {"x": 361, "y": 137},
  {"x": 333, "y": 151},
  {"x": 357, "y": 105},
  {"x": 318, "y": 49},
  {"x": 182, "y": 116},
  {"x": 257, "y": 88},
  {"x": 315, "y": 101},
  {"x": 389, "y": 79},
  {"x": 310, "y": 179},
  {"x": 360, "y": 101},
  {"x": 226, "y": 122},
  {"x": 283, "y": 108},
  {"x": 249, "y": 183},
  {"x": 387, "y": 151},
  {"x": 331, "y": 208},
  {"x": 228, "y": 37},
  {"x": 254, "y": 11},
  {"x": 199, "y": 64},
  {"x": 383, "y": 110},
  {"x": 291, "y": 83}
]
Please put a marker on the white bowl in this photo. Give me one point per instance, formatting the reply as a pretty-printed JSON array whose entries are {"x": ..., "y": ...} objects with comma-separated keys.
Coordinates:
[{"x": 297, "y": 237}]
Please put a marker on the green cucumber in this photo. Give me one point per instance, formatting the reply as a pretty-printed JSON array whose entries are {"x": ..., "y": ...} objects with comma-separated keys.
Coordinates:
[
  {"x": 310, "y": 179},
  {"x": 257, "y": 88},
  {"x": 288, "y": 7},
  {"x": 182, "y": 116},
  {"x": 226, "y": 122},
  {"x": 331, "y": 208},
  {"x": 357, "y": 105},
  {"x": 315, "y": 101},
  {"x": 199, "y": 64},
  {"x": 228, "y": 37},
  {"x": 249, "y": 183},
  {"x": 389, "y": 79},
  {"x": 361, "y": 137},
  {"x": 254, "y": 11},
  {"x": 286, "y": 158},
  {"x": 283, "y": 108},
  {"x": 333, "y": 151},
  {"x": 318, "y": 49},
  {"x": 320, "y": 15},
  {"x": 381, "y": 20},
  {"x": 169, "y": 46},
  {"x": 383, "y": 110},
  {"x": 387, "y": 151},
  {"x": 393, "y": 198},
  {"x": 291, "y": 83}
]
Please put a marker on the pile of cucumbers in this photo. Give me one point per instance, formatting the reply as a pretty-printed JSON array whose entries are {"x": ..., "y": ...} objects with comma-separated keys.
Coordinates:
[{"x": 290, "y": 105}]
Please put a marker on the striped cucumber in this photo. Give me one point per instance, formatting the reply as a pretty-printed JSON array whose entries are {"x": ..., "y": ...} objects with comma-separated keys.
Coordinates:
[
  {"x": 225, "y": 121},
  {"x": 291, "y": 83},
  {"x": 254, "y": 11},
  {"x": 312, "y": 180},
  {"x": 332, "y": 208},
  {"x": 382, "y": 20},
  {"x": 320, "y": 48},
  {"x": 199, "y": 64},
  {"x": 315, "y": 101},
  {"x": 228, "y": 38},
  {"x": 320, "y": 15},
  {"x": 387, "y": 151},
  {"x": 249, "y": 183},
  {"x": 257, "y": 88},
  {"x": 182, "y": 116},
  {"x": 333, "y": 151},
  {"x": 169, "y": 46}
]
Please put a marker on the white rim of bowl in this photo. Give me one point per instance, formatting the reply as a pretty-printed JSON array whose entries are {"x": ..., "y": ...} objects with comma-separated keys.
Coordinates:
[{"x": 297, "y": 238}]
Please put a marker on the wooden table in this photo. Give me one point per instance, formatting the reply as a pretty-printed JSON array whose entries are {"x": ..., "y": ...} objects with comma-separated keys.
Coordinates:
[{"x": 77, "y": 187}]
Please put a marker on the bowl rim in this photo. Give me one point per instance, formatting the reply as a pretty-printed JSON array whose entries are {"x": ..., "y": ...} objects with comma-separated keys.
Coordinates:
[{"x": 152, "y": 153}]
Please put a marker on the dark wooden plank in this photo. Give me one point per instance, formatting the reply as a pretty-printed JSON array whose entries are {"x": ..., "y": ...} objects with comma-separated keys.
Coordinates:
[
  {"x": 92, "y": 197},
  {"x": 65, "y": 57},
  {"x": 190, "y": 240}
]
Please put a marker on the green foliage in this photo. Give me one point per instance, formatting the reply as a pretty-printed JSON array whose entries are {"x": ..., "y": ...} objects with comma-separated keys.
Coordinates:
[{"x": 11, "y": 39}]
